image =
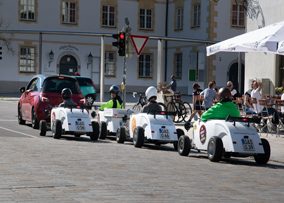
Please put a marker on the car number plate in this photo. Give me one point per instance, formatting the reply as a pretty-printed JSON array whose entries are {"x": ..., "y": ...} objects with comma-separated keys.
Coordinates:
[
  {"x": 80, "y": 125},
  {"x": 164, "y": 132},
  {"x": 247, "y": 144}
]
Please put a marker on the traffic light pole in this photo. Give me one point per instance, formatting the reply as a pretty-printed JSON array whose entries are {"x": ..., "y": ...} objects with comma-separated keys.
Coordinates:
[{"x": 124, "y": 81}]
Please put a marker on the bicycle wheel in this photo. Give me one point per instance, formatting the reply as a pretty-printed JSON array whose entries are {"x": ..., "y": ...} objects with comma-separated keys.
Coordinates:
[
  {"x": 188, "y": 111},
  {"x": 137, "y": 108},
  {"x": 172, "y": 109},
  {"x": 163, "y": 106},
  {"x": 181, "y": 111}
]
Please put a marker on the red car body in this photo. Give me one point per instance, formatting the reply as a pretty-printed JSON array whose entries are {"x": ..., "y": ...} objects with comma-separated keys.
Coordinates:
[{"x": 42, "y": 94}]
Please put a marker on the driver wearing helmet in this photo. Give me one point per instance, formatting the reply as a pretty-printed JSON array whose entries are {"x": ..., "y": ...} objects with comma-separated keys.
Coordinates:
[
  {"x": 66, "y": 94},
  {"x": 223, "y": 108},
  {"x": 152, "y": 106},
  {"x": 115, "y": 101}
]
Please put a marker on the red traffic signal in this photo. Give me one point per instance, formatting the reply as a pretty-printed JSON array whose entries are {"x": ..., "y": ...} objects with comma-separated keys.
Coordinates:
[{"x": 119, "y": 43}]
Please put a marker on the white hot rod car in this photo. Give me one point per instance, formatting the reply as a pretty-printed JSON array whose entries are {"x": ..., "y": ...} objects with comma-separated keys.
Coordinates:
[
  {"x": 157, "y": 128},
  {"x": 69, "y": 120},
  {"x": 234, "y": 136}
]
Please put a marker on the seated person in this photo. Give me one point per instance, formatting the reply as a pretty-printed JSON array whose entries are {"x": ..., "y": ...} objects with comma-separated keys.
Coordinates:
[
  {"x": 223, "y": 108},
  {"x": 115, "y": 101},
  {"x": 66, "y": 94},
  {"x": 152, "y": 106}
]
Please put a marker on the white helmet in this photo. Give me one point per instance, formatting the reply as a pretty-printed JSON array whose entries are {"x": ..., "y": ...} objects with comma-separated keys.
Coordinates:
[{"x": 151, "y": 92}]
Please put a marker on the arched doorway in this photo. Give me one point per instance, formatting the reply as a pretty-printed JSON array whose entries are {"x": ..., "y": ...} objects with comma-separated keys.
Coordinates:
[
  {"x": 233, "y": 76},
  {"x": 68, "y": 65}
]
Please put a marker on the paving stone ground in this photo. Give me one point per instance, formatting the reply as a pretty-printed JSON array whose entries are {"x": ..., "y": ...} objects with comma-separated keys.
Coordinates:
[{"x": 42, "y": 169}]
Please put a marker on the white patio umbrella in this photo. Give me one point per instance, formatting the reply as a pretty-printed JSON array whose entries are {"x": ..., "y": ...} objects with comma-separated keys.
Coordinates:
[{"x": 266, "y": 39}]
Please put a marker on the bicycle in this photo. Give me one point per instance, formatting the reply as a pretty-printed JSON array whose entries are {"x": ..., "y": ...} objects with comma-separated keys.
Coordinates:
[
  {"x": 182, "y": 110},
  {"x": 142, "y": 101}
]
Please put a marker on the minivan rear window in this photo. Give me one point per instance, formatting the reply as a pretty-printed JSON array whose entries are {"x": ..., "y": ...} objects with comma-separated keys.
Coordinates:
[
  {"x": 56, "y": 84},
  {"x": 85, "y": 81}
]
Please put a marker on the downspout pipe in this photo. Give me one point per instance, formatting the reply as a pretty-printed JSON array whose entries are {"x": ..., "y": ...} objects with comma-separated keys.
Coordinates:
[{"x": 166, "y": 42}]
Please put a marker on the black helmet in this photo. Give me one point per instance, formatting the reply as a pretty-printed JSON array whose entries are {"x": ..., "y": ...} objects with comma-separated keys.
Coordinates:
[
  {"x": 66, "y": 93},
  {"x": 114, "y": 89},
  {"x": 224, "y": 93}
]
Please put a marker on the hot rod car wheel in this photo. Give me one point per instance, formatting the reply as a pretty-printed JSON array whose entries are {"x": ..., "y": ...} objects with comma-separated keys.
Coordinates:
[
  {"x": 103, "y": 130},
  {"x": 184, "y": 145},
  {"x": 263, "y": 158},
  {"x": 57, "y": 129},
  {"x": 179, "y": 134},
  {"x": 138, "y": 137},
  {"x": 121, "y": 135},
  {"x": 96, "y": 131},
  {"x": 20, "y": 118},
  {"x": 35, "y": 122},
  {"x": 215, "y": 149},
  {"x": 42, "y": 128}
]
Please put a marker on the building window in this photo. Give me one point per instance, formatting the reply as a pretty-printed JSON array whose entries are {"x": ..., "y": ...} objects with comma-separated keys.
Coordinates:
[
  {"x": 27, "y": 10},
  {"x": 196, "y": 14},
  {"x": 145, "y": 66},
  {"x": 108, "y": 16},
  {"x": 238, "y": 15},
  {"x": 27, "y": 59},
  {"x": 69, "y": 12},
  {"x": 110, "y": 64},
  {"x": 178, "y": 65},
  {"x": 179, "y": 19},
  {"x": 146, "y": 18}
]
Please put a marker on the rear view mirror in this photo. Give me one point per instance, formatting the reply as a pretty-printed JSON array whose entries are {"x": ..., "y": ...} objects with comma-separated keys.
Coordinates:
[{"x": 22, "y": 89}]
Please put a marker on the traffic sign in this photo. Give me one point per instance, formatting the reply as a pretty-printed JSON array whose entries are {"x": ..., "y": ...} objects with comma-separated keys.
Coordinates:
[{"x": 138, "y": 42}]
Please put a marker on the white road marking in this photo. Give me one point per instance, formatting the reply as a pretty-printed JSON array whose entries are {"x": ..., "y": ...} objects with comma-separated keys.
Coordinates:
[
  {"x": 13, "y": 131},
  {"x": 7, "y": 120}
]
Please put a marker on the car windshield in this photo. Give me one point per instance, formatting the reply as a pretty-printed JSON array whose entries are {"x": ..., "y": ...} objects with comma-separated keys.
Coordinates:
[
  {"x": 86, "y": 85},
  {"x": 56, "y": 84}
]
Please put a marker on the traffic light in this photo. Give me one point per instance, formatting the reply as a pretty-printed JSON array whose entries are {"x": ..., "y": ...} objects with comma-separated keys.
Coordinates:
[
  {"x": 0, "y": 53},
  {"x": 120, "y": 43}
]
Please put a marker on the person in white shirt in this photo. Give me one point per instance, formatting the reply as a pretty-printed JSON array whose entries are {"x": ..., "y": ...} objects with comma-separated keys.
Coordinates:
[{"x": 256, "y": 95}]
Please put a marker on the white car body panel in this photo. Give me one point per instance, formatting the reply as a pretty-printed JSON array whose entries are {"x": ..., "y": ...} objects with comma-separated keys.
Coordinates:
[
  {"x": 157, "y": 127},
  {"x": 237, "y": 137},
  {"x": 113, "y": 118},
  {"x": 72, "y": 119}
]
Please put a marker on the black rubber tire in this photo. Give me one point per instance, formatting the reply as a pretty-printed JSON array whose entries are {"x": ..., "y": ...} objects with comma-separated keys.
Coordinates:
[
  {"x": 163, "y": 106},
  {"x": 138, "y": 137},
  {"x": 57, "y": 132},
  {"x": 215, "y": 149},
  {"x": 94, "y": 136},
  {"x": 184, "y": 145},
  {"x": 103, "y": 130},
  {"x": 20, "y": 118},
  {"x": 263, "y": 158},
  {"x": 137, "y": 108},
  {"x": 35, "y": 122},
  {"x": 171, "y": 108},
  {"x": 180, "y": 133},
  {"x": 188, "y": 111},
  {"x": 121, "y": 135},
  {"x": 42, "y": 127}
]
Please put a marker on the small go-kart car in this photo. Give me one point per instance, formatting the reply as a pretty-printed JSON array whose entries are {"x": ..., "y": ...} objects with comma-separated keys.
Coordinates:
[
  {"x": 157, "y": 128},
  {"x": 234, "y": 136},
  {"x": 111, "y": 120},
  {"x": 70, "y": 120}
]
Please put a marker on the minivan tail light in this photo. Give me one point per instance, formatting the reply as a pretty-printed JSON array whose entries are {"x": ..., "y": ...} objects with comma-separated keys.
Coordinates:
[
  {"x": 82, "y": 101},
  {"x": 44, "y": 99}
]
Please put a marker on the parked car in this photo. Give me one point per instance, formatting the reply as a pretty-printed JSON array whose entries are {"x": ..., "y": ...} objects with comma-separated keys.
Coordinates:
[
  {"x": 87, "y": 88},
  {"x": 41, "y": 94}
]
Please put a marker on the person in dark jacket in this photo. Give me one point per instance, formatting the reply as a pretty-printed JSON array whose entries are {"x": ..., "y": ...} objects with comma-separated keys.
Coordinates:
[
  {"x": 66, "y": 95},
  {"x": 152, "y": 106}
]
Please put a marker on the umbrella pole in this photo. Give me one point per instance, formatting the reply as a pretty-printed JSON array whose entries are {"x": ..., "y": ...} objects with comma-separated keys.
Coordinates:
[{"x": 239, "y": 72}]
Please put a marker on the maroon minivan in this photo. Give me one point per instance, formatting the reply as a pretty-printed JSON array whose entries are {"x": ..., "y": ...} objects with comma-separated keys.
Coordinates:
[{"x": 41, "y": 94}]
